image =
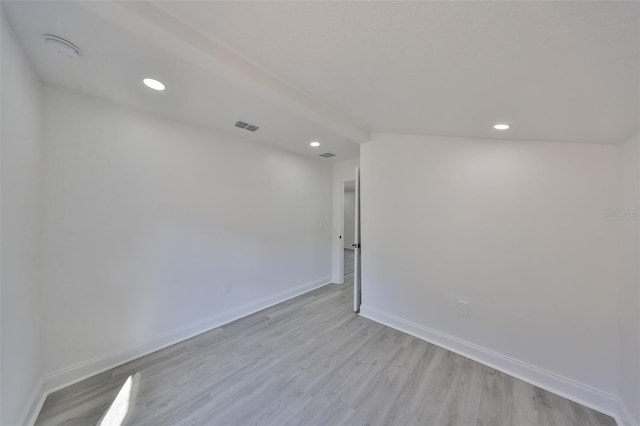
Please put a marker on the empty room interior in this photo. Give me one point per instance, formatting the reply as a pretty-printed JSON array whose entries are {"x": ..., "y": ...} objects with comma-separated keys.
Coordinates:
[{"x": 320, "y": 213}]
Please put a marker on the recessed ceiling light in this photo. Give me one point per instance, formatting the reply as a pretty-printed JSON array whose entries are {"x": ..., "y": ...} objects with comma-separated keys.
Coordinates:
[
  {"x": 501, "y": 126},
  {"x": 315, "y": 144},
  {"x": 153, "y": 84}
]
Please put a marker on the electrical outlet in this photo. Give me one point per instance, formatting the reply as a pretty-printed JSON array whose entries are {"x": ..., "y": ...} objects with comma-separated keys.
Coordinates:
[
  {"x": 463, "y": 308},
  {"x": 226, "y": 288}
]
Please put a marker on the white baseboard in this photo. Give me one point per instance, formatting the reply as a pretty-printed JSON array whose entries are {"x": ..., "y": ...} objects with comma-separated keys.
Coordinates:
[
  {"x": 32, "y": 408},
  {"x": 624, "y": 417},
  {"x": 563, "y": 386},
  {"x": 80, "y": 371}
]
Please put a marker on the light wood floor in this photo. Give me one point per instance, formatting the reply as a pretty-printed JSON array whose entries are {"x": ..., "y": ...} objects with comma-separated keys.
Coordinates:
[
  {"x": 311, "y": 361},
  {"x": 348, "y": 265}
]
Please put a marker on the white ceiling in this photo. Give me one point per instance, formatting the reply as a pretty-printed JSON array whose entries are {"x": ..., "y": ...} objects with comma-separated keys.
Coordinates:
[
  {"x": 334, "y": 71},
  {"x": 557, "y": 70},
  {"x": 114, "y": 61}
]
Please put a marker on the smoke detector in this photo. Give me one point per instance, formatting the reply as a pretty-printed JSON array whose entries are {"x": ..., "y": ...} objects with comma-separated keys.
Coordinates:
[{"x": 61, "y": 46}]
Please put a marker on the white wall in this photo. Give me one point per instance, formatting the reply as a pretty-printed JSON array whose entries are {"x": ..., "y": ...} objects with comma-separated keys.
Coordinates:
[
  {"x": 146, "y": 219},
  {"x": 342, "y": 171},
  {"x": 627, "y": 218},
  {"x": 21, "y": 365},
  {"x": 515, "y": 228},
  {"x": 349, "y": 218}
]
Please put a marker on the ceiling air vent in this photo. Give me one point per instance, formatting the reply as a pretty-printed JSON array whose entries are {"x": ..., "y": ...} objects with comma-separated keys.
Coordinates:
[
  {"x": 61, "y": 46},
  {"x": 327, "y": 155},
  {"x": 246, "y": 126}
]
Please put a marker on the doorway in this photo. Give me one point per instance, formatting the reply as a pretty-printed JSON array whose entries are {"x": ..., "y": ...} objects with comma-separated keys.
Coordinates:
[
  {"x": 348, "y": 242},
  {"x": 348, "y": 233}
]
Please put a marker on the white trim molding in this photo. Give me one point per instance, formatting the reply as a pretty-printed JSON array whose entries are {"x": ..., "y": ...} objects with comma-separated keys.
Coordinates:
[
  {"x": 563, "y": 386},
  {"x": 83, "y": 370},
  {"x": 623, "y": 415},
  {"x": 34, "y": 404}
]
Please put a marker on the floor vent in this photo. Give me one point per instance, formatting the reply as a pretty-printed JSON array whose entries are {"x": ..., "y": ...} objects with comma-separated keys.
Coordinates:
[
  {"x": 327, "y": 155},
  {"x": 246, "y": 126}
]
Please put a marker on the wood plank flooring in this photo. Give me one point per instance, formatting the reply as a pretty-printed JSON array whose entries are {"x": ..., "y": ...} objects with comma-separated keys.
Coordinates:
[
  {"x": 312, "y": 361},
  {"x": 348, "y": 264}
]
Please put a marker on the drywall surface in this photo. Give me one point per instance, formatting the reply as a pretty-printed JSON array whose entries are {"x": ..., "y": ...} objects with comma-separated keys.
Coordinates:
[
  {"x": 627, "y": 218},
  {"x": 22, "y": 363},
  {"x": 152, "y": 227},
  {"x": 349, "y": 218},
  {"x": 518, "y": 230}
]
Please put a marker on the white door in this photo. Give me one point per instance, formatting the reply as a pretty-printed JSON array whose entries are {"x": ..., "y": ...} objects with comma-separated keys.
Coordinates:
[{"x": 356, "y": 246}]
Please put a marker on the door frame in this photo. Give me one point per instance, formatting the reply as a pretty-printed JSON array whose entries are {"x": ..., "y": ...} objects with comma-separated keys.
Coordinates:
[
  {"x": 357, "y": 272},
  {"x": 338, "y": 243}
]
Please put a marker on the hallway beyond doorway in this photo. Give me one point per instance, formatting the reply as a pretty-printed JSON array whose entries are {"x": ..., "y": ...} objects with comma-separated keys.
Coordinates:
[{"x": 348, "y": 266}]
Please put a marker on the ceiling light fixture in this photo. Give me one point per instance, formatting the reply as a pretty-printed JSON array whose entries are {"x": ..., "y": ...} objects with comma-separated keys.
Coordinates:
[
  {"x": 153, "y": 84},
  {"x": 315, "y": 144},
  {"x": 501, "y": 126}
]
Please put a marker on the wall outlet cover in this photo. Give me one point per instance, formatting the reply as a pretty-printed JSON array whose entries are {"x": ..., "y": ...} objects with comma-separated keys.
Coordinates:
[{"x": 463, "y": 308}]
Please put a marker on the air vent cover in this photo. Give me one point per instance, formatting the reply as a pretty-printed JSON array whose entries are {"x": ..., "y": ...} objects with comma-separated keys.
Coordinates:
[
  {"x": 327, "y": 155},
  {"x": 247, "y": 126},
  {"x": 62, "y": 46}
]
